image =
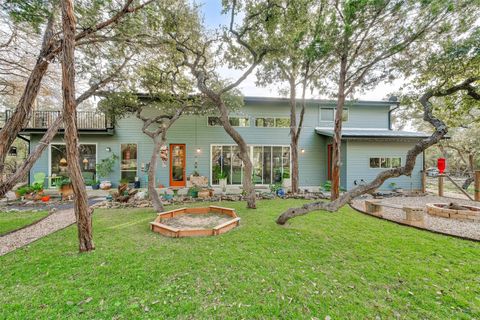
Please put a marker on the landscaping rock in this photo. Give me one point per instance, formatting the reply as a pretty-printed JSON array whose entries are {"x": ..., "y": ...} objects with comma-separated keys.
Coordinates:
[
  {"x": 182, "y": 192},
  {"x": 10, "y": 195}
]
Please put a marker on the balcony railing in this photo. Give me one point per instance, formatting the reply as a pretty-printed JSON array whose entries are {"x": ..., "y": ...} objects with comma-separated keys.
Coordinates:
[{"x": 86, "y": 120}]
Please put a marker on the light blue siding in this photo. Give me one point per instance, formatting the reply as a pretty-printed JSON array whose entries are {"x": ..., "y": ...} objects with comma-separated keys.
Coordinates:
[
  {"x": 194, "y": 132},
  {"x": 360, "y": 152}
]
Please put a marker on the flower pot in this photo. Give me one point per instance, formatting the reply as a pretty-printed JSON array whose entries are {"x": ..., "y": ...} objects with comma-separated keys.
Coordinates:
[
  {"x": 105, "y": 185},
  {"x": 287, "y": 183},
  {"x": 223, "y": 184}
]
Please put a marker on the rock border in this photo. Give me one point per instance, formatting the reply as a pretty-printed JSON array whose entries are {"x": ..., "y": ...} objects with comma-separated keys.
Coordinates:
[{"x": 413, "y": 226}]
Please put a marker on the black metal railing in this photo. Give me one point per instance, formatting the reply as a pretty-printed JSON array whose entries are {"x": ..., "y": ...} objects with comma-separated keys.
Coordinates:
[{"x": 86, "y": 120}]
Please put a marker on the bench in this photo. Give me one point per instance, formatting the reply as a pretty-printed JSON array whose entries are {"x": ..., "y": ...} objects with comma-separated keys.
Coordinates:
[{"x": 413, "y": 215}]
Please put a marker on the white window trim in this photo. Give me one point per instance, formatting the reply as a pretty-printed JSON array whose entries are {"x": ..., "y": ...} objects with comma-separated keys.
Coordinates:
[
  {"x": 63, "y": 143},
  {"x": 251, "y": 159},
  {"x": 274, "y": 122},
  {"x": 347, "y": 110},
  {"x": 120, "y": 161},
  {"x": 385, "y": 157},
  {"x": 245, "y": 117}
]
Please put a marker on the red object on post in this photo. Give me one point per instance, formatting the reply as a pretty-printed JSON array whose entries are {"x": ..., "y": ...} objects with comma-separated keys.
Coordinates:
[{"x": 441, "y": 165}]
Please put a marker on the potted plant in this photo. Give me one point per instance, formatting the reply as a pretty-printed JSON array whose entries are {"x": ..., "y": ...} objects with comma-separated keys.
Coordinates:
[
  {"x": 104, "y": 169},
  {"x": 193, "y": 192},
  {"x": 222, "y": 179},
  {"x": 395, "y": 187},
  {"x": 286, "y": 180},
  {"x": 124, "y": 182},
  {"x": 65, "y": 187},
  {"x": 96, "y": 185}
]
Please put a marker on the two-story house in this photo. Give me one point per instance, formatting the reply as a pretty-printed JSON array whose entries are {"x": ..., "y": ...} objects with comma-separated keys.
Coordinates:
[{"x": 199, "y": 143}]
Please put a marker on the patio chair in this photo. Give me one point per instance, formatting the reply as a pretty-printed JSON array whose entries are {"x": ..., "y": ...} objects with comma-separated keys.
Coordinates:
[{"x": 39, "y": 178}]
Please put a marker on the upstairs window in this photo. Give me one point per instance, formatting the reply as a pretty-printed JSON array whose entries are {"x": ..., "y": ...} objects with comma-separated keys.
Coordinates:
[
  {"x": 328, "y": 114},
  {"x": 234, "y": 121},
  {"x": 272, "y": 122}
]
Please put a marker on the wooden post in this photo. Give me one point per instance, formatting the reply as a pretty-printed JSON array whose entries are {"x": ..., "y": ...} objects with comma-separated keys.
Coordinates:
[
  {"x": 477, "y": 186},
  {"x": 440, "y": 184},
  {"x": 424, "y": 181}
]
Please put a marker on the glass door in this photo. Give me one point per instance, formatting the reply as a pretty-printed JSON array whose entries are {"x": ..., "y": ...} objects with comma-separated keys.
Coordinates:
[{"x": 177, "y": 165}]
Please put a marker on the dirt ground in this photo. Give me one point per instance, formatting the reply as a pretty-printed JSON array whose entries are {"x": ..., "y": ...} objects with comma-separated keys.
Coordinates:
[{"x": 197, "y": 221}]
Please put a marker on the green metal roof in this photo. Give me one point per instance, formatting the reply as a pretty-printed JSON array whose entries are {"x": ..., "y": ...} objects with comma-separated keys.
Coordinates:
[
  {"x": 372, "y": 133},
  {"x": 326, "y": 102}
]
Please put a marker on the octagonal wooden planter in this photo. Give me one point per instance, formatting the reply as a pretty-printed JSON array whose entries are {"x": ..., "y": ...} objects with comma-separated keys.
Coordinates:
[{"x": 168, "y": 231}]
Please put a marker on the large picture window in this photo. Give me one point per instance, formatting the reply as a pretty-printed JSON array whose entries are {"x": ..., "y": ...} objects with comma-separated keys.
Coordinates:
[
  {"x": 270, "y": 164},
  {"x": 128, "y": 162},
  {"x": 59, "y": 163}
]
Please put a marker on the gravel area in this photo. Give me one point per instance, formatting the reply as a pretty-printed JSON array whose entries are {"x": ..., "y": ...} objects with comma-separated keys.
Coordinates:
[
  {"x": 54, "y": 222},
  {"x": 444, "y": 225},
  {"x": 197, "y": 221}
]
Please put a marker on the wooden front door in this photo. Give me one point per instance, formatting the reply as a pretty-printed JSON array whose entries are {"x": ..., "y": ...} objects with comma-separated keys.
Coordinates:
[
  {"x": 329, "y": 161},
  {"x": 178, "y": 177}
]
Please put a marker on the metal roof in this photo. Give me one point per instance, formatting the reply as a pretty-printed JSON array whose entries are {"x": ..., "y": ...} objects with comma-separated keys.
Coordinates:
[
  {"x": 326, "y": 102},
  {"x": 372, "y": 133}
]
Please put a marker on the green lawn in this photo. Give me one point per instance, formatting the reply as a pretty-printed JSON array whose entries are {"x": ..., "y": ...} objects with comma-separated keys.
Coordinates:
[
  {"x": 10, "y": 221},
  {"x": 344, "y": 265}
]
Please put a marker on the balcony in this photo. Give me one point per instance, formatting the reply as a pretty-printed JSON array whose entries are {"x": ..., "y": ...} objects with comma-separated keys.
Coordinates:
[{"x": 87, "y": 122}]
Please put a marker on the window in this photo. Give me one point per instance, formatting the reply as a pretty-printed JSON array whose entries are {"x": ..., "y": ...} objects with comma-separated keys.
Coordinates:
[
  {"x": 87, "y": 160},
  {"x": 234, "y": 121},
  {"x": 270, "y": 164},
  {"x": 128, "y": 162},
  {"x": 385, "y": 163},
  {"x": 328, "y": 114},
  {"x": 272, "y": 122}
]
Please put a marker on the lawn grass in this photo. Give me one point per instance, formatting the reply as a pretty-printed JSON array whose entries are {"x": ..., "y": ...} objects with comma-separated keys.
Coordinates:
[
  {"x": 14, "y": 220},
  {"x": 344, "y": 265}
]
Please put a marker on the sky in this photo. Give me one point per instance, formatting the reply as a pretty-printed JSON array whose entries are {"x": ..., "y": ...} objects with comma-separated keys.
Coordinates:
[{"x": 211, "y": 10}]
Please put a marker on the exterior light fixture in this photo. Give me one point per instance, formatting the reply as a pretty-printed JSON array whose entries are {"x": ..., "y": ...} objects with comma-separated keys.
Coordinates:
[
  {"x": 199, "y": 150},
  {"x": 108, "y": 149},
  {"x": 302, "y": 151}
]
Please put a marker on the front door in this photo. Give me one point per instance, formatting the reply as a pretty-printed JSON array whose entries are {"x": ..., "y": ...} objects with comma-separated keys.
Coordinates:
[{"x": 177, "y": 165}]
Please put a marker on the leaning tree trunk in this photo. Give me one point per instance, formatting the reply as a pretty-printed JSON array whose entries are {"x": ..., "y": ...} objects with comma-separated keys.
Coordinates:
[
  {"x": 157, "y": 203},
  {"x": 247, "y": 182},
  {"x": 32, "y": 158},
  {"x": 24, "y": 107},
  {"x": 337, "y": 132},
  {"x": 82, "y": 212},
  {"x": 441, "y": 130}
]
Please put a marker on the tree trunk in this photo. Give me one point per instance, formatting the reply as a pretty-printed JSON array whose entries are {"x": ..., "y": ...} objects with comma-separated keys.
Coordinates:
[
  {"x": 82, "y": 212},
  {"x": 440, "y": 131},
  {"x": 247, "y": 182},
  {"x": 337, "y": 135},
  {"x": 157, "y": 203},
  {"x": 293, "y": 136},
  {"x": 32, "y": 158},
  {"x": 24, "y": 107}
]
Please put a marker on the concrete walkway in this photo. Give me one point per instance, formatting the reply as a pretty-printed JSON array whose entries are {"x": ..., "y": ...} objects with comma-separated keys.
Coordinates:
[{"x": 54, "y": 222}]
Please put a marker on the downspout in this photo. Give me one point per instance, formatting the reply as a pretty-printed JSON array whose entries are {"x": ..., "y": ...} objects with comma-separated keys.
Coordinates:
[
  {"x": 390, "y": 115},
  {"x": 29, "y": 146}
]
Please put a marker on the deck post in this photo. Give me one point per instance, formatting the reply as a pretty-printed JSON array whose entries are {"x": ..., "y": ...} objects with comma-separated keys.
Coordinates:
[
  {"x": 424, "y": 181},
  {"x": 477, "y": 186},
  {"x": 441, "y": 180}
]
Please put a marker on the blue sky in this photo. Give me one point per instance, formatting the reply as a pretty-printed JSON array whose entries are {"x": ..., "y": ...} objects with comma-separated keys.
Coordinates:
[{"x": 211, "y": 10}]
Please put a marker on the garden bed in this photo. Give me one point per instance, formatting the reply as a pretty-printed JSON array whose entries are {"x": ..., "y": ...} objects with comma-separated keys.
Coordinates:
[{"x": 192, "y": 222}]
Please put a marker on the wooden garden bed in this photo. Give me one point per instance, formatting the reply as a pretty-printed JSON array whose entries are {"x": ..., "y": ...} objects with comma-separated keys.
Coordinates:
[{"x": 194, "y": 222}]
